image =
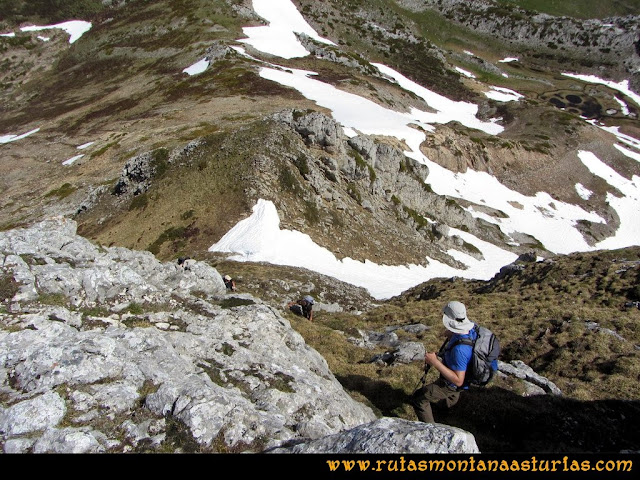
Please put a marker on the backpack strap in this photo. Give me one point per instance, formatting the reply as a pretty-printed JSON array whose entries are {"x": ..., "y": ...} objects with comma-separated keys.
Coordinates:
[{"x": 464, "y": 341}]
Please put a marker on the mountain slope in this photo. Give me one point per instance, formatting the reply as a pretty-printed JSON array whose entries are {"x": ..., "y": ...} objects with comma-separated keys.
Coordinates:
[
  {"x": 125, "y": 91},
  {"x": 429, "y": 141}
]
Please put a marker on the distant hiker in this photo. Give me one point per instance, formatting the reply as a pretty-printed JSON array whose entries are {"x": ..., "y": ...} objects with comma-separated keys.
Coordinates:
[
  {"x": 229, "y": 283},
  {"x": 186, "y": 263},
  {"x": 457, "y": 354},
  {"x": 303, "y": 307}
]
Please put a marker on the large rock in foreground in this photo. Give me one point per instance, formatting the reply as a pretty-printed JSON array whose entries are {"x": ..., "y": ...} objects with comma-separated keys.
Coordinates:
[
  {"x": 109, "y": 350},
  {"x": 391, "y": 435}
]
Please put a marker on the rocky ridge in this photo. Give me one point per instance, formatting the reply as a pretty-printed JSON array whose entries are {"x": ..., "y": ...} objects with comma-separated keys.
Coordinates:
[
  {"x": 610, "y": 44},
  {"x": 320, "y": 181},
  {"x": 333, "y": 180}
]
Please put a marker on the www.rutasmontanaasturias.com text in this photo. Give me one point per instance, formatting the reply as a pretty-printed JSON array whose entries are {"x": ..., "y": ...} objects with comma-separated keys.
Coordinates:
[{"x": 533, "y": 464}]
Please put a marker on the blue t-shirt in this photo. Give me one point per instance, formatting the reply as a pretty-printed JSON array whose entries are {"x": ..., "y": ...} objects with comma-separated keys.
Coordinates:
[{"x": 458, "y": 357}]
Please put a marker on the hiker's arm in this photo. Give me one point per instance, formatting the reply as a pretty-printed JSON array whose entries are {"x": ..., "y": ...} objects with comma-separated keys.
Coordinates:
[{"x": 454, "y": 376}]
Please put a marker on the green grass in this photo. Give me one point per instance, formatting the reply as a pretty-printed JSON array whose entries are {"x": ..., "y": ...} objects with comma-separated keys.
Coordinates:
[
  {"x": 235, "y": 302},
  {"x": 139, "y": 202},
  {"x": 159, "y": 161},
  {"x": 102, "y": 150},
  {"x": 354, "y": 192},
  {"x": 288, "y": 181},
  {"x": 54, "y": 299},
  {"x": 311, "y": 213},
  {"x": 49, "y": 10},
  {"x": 361, "y": 164},
  {"x": 303, "y": 166},
  {"x": 62, "y": 192},
  {"x": 541, "y": 317},
  {"x": 8, "y": 286},
  {"x": 578, "y": 8},
  {"x": 172, "y": 235},
  {"x": 419, "y": 220}
]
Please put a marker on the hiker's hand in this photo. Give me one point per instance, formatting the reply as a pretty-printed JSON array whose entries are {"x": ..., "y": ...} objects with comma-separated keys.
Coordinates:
[{"x": 430, "y": 358}]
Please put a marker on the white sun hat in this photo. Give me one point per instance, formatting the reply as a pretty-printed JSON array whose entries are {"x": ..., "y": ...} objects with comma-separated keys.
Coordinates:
[{"x": 455, "y": 319}]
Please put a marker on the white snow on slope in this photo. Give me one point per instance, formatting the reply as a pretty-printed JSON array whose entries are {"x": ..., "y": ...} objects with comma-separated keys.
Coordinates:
[
  {"x": 626, "y": 205},
  {"x": 628, "y": 153},
  {"x": 552, "y": 222},
  {"x": 258, "y": 238},
  {"x": 12, "y": 138},
  {"x": 352, "y": 110},
  {"x": 447, "y": 110},
  {"x": 626, "y": 139},
  {"x": 502, "y": 94},
  {"x": 75, "y": 28},
  {"x": 72, "y": 160},
  {"x": 623, "y": 106},
  {"x": 622, "y": 87},
  {"x": 464, "y": 72},
  {"x": 197, "y": 67},
  {"x": 278, "y": 37},
  {"x": 583, "y": 191}
]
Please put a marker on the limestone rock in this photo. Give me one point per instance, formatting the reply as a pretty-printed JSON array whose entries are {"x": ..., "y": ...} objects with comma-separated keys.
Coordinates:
[
  {"x": 391, "y": 435},
  {"x": 521, "y": 370},
  {"x": 32, "y": 415},
  {"x": 241, "y": 375}
]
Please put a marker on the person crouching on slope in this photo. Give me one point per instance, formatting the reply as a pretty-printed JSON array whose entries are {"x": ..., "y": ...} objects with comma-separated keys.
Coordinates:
[
  {"x": 229, "y": 283},
  {"x": 303, "y": 307},
  {"x": 445, "y": 391}
]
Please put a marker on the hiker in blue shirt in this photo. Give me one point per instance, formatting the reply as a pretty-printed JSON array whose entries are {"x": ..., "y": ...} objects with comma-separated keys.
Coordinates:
[{"x": 445, "y": 391}]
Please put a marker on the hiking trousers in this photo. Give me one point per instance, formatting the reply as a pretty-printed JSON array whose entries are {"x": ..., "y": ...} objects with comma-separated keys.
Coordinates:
[{"x": 437, "y": 393}]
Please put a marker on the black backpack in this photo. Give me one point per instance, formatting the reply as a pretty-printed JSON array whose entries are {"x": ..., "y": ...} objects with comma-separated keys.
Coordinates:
[{"x": 486, "y": 349}]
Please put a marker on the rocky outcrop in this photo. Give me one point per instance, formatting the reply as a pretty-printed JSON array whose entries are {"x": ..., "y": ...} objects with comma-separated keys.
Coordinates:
[
  {"x": 384, "y": 182},
  {"x": 611, "y": 40},
  {"x": 139, "y": 172},
  {"x": 218, "y": 51},
  {"x": 391, "y": 435},
  {"x": 519, "y": 369},
  {"x": 102, "y": 350},
  {"x": 136, "y": 175},
  {"x": 50, "y": 259},
  {"x": 315, "y": 128}
]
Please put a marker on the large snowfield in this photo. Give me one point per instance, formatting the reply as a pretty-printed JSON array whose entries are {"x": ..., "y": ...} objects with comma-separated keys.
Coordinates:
[{"x": 259, "y": 237}]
